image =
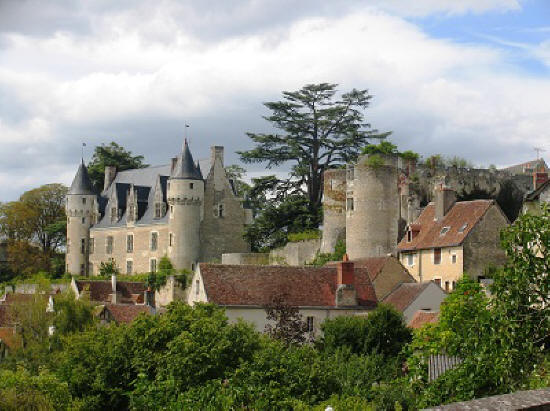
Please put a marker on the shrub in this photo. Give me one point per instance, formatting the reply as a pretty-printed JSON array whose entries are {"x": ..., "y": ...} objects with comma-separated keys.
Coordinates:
[{"x": 304, "y": 236}]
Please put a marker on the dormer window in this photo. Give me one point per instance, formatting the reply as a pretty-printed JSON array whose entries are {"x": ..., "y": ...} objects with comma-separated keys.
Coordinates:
[
  {"x": 114, "y": 214},
  {"x": 444, "y": 230},
  {"x": 131, "y": 213},
  {"x": 463, "y": 228},
  {"x": 158, "y": 210}
]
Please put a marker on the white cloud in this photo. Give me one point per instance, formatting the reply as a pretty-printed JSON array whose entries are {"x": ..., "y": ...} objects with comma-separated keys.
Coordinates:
[
  {"x": 436, "y": 95},
  {"x": 449, "y": 7}
]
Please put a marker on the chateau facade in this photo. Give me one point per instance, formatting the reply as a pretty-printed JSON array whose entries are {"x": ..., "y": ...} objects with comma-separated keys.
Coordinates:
[{"x": 144, "y": 214}]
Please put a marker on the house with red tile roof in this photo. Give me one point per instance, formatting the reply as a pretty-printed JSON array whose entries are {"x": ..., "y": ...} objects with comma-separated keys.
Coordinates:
[
  {"x": 451, "y": 238},
  {"x": 123, "y": 314},
  {"x": 319, "y": 293},
  {"x": 409, "y": 298},
  {"x": 385, "y": 273}
]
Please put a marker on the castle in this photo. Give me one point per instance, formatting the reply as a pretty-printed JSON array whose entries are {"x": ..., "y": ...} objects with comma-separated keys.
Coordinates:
[{"x": 144, "y": 214}]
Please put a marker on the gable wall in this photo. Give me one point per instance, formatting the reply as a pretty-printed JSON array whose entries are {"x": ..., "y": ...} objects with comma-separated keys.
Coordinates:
[
  {"x": 482, "y": 246},
  {"x": 431, "y": 299},
  {"x": 391, "y": 275}
]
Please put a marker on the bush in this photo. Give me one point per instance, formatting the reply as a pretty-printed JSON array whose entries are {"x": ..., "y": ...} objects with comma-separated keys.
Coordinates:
[
  {"x": 383, "y": 332},
  {"x": 322, "y": 258},
  {"x": 304, "y": 236}
]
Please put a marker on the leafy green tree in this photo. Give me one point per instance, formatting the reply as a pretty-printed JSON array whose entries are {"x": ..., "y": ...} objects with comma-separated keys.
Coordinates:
[
  {"x": 38, "y": 217},
  {"x": 384, "y": 147},
  {"x": 318, "y": 130},
  {"x": 108, "y": 268},
  {"x": 111, "y": 155},
  {"x": 382, "y": 332},
  {"x": 236, "y": 173},
  {"x": 71, "y": 315}
]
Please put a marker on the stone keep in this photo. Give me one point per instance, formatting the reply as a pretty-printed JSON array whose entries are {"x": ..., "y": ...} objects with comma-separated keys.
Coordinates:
[
  {"x": 372, "y": 208},
  {"x": 144, "y": 214}
]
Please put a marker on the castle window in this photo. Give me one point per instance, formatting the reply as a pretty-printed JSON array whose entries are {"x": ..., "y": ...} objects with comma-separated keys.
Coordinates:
[
  {"x": 109, "y": 245},
  {"x": 130, "y": 243},
  {"x": 153, "y": 265},
  {"x": 91, "y": 245},
  {"x": 171, "y": 239},
  {"x": 82, "y": 269},
  {"x": 82, "y": 246},
  {"x": 220, "y": 210},
  {"x": 129, "y": 266},
  {"x": 83, "y": 200},
  {"x": 349, "y": 204},
  {"x": 154, "y": 241},
  {"x": 83, "y": 220},
  {"x": 350, "y": 173},
  {"x": 191, "y": 185},
  {"x": 158, "y": 210},
  {"x": 437, "y": 255},
  {"x": 409, "y": 236},
  {"x": 309, "y": 324},
  {"x": 453, "y": 258}
]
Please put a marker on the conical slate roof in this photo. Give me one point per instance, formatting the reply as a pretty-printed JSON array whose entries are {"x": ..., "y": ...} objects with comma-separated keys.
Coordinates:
[
  {"x": 81, "y": 184},
  {"x": 185, "y": 167}
]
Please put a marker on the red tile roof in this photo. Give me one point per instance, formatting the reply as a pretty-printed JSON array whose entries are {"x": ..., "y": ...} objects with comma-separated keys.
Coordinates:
[
  {"x": 126, "y": 313},
  {"x": 101, "y": 290},
  {"x": 423, "y": 317},
  {"x": 301, "y": 286},
  {"x": 373, "y": 265},
  {"x": 464, "y": 214},
  {"x": 404, "y": 294},
  {"x": 8, "y": 337}
]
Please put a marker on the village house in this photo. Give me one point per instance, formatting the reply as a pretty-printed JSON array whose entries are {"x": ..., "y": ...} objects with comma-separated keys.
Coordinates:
[
  {"x": 541, "y": 195},
  {"x": 451, "y": 238},
  {"x": 411, "y": 298},
  {"x": 122, "y": 314},
  {"x": 113, "y": 292},
  {"x": 319, "y": 293}
]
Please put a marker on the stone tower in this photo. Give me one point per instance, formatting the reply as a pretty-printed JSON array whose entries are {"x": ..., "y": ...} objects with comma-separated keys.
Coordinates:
[
  {"x": 372, "y": 207},
  {"x": 82, "y": 211},
  {"x": 185, "y": 199},
  {"x": 334, "y": 208}
]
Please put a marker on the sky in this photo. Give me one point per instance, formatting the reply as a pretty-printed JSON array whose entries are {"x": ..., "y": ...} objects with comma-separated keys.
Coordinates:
[{"x": 469, "y": 78}]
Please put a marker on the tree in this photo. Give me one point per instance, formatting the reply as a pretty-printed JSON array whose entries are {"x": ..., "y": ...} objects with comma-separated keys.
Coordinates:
[
  {"x": 288, "y": 326},
  {"x": 37, "y": 217},
  {"x": 383, "y": 332},
  {"x": 111, "y": 155},
  {"x": 319, "y": 131},
  {"x": 236, "y": 173}
]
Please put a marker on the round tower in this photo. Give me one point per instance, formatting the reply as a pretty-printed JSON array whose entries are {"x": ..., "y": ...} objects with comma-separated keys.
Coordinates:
[
  {"x": 81, "y": 209},
  {"x": 334, "y": 208},
  {"x": 185, "y": 199},
  {"x": 372, "y": 212}
]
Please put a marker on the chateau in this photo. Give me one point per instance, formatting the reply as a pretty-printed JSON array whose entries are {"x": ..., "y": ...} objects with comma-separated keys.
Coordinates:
[{"x": 144, "y": 214}]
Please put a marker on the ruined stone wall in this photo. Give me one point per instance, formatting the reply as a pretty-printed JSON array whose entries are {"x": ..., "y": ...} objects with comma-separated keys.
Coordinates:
[
  {"x": 372, "y": 222},
  {"x": 334, "y": 209},
  {"x": 299, "y": 253},
  {"x": 245, "y": 258},
  {"x": 482, "y": 246}
]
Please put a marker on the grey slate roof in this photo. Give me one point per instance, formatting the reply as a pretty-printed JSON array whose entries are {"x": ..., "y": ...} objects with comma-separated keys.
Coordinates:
[
  {"x": 81, "y": 184},
  {"x": 185, "y": 167}
]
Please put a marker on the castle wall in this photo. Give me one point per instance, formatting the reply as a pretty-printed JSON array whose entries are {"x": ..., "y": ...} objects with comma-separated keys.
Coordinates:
[
  {"x": 334, "y": 209},
  {"x": 221, "y": 233},
  {"x": 299, "y": 253},
  {"x": 372, "y": 223},
  {"x": 245, "y": 258},
  {"x": 482, "y": 246},
  {"x": 142, "y": 253}
]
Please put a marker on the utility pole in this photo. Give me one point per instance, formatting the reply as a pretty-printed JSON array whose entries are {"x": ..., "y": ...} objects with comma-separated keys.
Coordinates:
[{"x": 538, "y": 150}]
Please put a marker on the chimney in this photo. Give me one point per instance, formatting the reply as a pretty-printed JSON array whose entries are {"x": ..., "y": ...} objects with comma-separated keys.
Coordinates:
[
  {"x": 173, "y": 164},
  {"x": 539, "y": 178},
  {"x": 216, "y": 153},
  {"x": 110, "y": 174},
  {"x": 445, "y": 198},
  {"x": 346, "y": 295},
  {"x": 113, "y": 289}
]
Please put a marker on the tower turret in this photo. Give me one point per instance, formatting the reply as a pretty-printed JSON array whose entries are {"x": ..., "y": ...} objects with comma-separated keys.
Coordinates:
[
  {"x": 185, "y": 198},
  {"x": 82, "y": 211}
]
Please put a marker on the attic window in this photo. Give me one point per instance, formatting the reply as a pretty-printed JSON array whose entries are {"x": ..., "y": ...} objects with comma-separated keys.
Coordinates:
[
  {"x": 409, "y": 236},
  {"x": 444, "y": 230},
  {"x": 463, "y": 227},
  {"x": 158, "y": 210}
]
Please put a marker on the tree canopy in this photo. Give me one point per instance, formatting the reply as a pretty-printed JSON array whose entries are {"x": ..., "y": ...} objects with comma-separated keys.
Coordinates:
[
  {"x": 318, "y": 130},
  {"x": 111, "y": 155}
]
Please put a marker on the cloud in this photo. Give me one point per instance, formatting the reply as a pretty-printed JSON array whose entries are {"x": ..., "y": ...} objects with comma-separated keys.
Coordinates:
[{"x": 137, "y": 83}]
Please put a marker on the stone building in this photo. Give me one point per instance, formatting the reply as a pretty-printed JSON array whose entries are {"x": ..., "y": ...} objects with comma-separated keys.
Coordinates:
[
  {"x": 370, "y": 203},
  {"x": 144, "y": 214},
  {"x": 318, "y": 293},
  {"x": 451, "y": 238},
  {"x": 540, "y": 195}
]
